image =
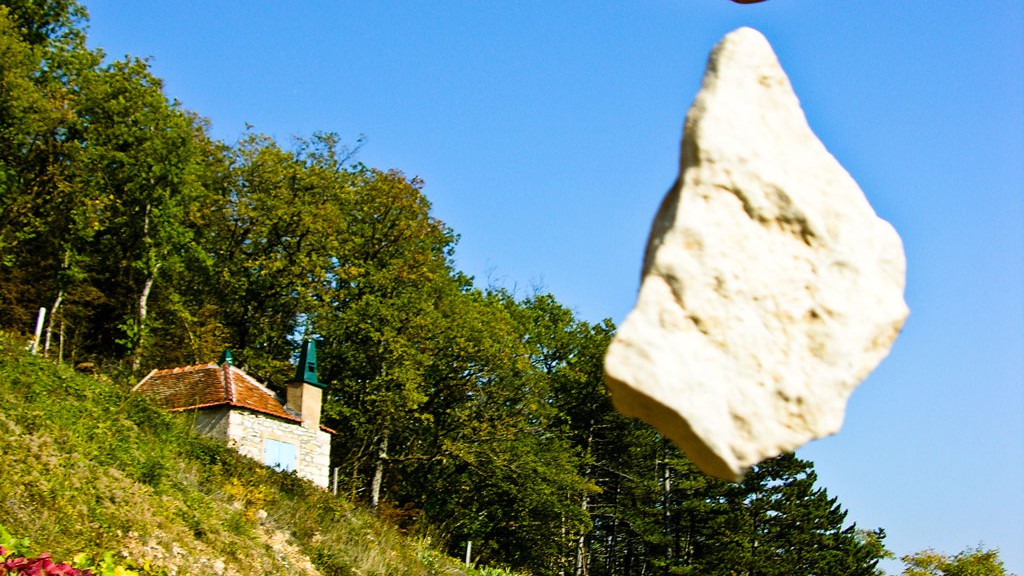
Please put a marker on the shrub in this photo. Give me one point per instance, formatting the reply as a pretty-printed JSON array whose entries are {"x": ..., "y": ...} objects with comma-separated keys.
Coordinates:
[{"x": 39, "y": 566}]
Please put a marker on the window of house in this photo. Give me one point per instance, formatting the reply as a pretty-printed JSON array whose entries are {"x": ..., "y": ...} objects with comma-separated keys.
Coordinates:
[{"x": 280, "y": 455}]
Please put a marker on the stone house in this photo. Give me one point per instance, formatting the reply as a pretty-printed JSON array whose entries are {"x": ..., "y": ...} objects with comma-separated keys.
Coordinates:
[{"x": 229, "y": 405}]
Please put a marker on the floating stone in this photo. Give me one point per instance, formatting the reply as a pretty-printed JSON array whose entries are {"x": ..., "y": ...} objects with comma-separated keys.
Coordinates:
[{"x": 770, "y": 288}]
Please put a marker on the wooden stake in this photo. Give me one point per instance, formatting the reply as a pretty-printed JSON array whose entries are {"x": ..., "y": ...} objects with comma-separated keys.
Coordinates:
[{"x": 39, "y": 331}]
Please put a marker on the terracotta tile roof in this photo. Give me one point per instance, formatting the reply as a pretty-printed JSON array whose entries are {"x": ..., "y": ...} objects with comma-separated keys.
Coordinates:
[{"x": 207, "y": 385}]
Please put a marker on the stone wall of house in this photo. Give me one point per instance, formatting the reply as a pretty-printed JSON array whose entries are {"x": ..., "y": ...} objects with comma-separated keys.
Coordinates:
[
  {"x": 212, "y": 422},
  {"x": 249, "y": 431}
]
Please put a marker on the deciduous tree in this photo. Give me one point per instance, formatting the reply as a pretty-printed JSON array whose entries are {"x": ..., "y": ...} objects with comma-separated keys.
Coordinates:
[{"x": 969, "y": 562}]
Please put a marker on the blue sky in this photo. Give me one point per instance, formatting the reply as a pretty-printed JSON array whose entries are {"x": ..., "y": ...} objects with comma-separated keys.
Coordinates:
[{"x": 548, "y": 132}]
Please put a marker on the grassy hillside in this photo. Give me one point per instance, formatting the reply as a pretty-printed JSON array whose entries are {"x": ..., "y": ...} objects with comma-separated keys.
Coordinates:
[{"x": 86, "y": 467}]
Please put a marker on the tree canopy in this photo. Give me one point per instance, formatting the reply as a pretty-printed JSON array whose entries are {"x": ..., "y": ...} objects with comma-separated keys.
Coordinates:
[{"x": 969, "y": 562}]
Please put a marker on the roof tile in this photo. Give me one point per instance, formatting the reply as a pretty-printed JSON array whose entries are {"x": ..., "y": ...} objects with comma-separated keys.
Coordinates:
[{"x": 207, "y": 385}]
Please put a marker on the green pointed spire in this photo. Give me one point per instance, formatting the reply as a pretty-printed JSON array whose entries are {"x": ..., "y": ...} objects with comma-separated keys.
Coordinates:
[
  {"x": 306, "y": 370},
  {"x": 226, "y": 358}
]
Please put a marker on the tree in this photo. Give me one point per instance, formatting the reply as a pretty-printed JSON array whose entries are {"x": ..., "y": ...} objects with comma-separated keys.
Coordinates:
[
  {"x": 659, "y": 514},
  {"x": 386, "y": 277},
  {"x": 270, "y": 233},
  {"x": 141, "y": 162},
  {"x": 567, "y": 354},
  {"x": 23, "y": 111},
  {"x": 777, "y": 522},
  {"x": 969, "y": 562},
  {"x": 498, "y": 432},
  {"x": 42, "y": 57},
  {"x": 48, "y": 21}
]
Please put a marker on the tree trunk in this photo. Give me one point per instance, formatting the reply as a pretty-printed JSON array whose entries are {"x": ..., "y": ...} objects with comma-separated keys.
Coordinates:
[
  {"x": 581, "y": 541},
  {"x": 666, "y": 478},
  {"x": 56, "y": 303},
  {"x": 49, "y": 323},
  {"x": 581, "y": 544},
  {"x": 147, "y": 286},
  {"x": 378, "y": 471},
  {"x": 143, "y": 312},
  {"x": 60, "y": 353},
  {"x": 613, "y": 558}
]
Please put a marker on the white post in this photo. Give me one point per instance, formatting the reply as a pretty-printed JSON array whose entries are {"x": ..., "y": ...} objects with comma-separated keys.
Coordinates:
[
  {"x": 336, "y": 480},
  {"x": 469, "y": 551},
  {"x": 39, "y": 331}
]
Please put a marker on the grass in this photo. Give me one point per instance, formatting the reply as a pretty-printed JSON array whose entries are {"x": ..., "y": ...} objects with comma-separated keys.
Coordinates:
[{"x": 86, "y": 467}]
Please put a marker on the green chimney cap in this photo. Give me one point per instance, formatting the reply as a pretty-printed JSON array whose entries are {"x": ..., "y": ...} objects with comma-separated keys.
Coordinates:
[
  {"x": 226, "y": 358},
  {"x": 306, "y": 370}
]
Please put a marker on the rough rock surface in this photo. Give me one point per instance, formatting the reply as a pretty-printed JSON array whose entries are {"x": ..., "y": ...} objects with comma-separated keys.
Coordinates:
[{"x": 770, "y": 288}]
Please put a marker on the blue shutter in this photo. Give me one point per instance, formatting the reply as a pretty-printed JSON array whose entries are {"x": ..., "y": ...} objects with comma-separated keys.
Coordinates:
[{"x": 280, "y": 455}]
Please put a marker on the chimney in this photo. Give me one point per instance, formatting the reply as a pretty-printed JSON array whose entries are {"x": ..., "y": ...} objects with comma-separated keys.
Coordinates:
[{"x": 305, "y": 392}]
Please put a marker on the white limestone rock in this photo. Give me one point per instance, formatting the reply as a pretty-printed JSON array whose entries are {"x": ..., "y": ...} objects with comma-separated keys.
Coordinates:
[{"x": 770, "y": 287}]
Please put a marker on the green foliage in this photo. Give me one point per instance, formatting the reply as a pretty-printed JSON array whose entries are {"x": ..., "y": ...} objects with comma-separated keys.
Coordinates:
[
  {"x": 17, "y": 559},
  {"x": 969, "y": 562},
  {"x": 89, "y": 468},
  {"x": 14, "y": 546},
  {"x": 108, "y": 565},
  {"x": 45, "y": 21}
]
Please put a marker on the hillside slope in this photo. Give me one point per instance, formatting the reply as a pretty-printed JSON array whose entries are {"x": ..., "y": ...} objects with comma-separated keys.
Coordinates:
[{"x": 87, "y": 467}]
